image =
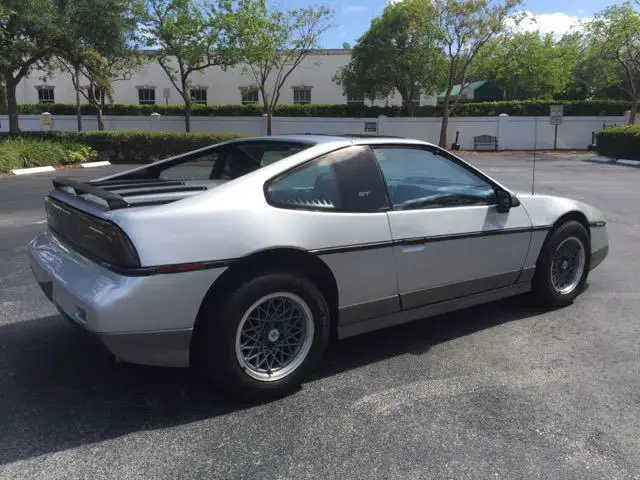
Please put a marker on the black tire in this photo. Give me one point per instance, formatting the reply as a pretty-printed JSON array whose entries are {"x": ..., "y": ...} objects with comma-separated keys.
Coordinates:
[
  {"x": 217, "y": 350},
  {"x": 543, "y": 288}
]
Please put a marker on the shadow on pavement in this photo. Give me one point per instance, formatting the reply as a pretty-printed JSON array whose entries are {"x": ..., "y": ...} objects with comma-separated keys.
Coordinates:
[{"x": 60, "y": 388}]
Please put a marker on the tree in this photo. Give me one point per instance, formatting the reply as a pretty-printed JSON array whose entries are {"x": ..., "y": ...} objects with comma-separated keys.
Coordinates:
[
  {"x": 400, "y": 52},
  {"x": 29, "y": 33},
  {"x": 466, "y": 27},
  {"x": 525, "y": 65},
  {"x": 99, "y": 73},
  {"x": 96, "y": 35},
  {"x": 614, "y": 36},
  {"x": 188, "y": 39},
  {"x": 273, "y": 43}
]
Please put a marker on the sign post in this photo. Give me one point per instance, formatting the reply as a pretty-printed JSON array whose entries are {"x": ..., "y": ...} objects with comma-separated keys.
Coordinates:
[{"x": 555, "y": 119}]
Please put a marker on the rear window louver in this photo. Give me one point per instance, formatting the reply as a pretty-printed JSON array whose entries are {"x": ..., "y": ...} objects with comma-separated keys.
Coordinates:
[{"x": 115, "y": 192}]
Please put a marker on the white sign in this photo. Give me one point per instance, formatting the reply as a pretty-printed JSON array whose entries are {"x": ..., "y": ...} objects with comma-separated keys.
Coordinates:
[
  {"x": 555, "y": 114},
  {"x": 45, "y": 119},
  {"x": 166, "y": 92}
]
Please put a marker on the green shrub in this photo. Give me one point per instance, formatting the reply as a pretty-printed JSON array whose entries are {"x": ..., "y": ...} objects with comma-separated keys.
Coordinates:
[
  {"x": 464, "y": 109},
  {"x": 22, "y": 152},
  {"x": 619, "y": 142},
  {"x": 130, "y": 146}
]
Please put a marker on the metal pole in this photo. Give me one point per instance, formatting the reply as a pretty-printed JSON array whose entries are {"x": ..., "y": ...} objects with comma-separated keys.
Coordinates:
[{"x": 555, "y": 137}]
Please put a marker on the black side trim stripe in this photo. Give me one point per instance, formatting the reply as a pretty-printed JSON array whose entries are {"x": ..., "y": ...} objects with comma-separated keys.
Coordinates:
[
  {"x": 460, "y": 236},
  {"x": 421, "y": 240},
  {"x": 352, "y": 248}
]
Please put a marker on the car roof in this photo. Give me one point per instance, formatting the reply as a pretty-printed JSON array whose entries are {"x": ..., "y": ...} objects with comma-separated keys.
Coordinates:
[{"x": 355, "y": 138}]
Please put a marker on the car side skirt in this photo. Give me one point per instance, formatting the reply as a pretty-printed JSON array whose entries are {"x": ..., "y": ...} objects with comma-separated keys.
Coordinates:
[{"x": 439, "y": 308}]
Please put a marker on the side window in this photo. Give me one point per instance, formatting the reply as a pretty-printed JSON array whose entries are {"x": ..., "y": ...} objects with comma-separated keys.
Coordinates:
[
  {"x": 344, "y": 180},
  {"x": 419, "y": 178},
  {"x": 197, "y": 168}
]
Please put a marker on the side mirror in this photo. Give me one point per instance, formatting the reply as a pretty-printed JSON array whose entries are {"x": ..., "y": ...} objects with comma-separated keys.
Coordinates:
[{"x": 505, "y": 201}]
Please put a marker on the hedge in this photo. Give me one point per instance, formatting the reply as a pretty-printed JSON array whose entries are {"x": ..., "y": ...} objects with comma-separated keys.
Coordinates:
[
  {"x": 130, "y": 146},
  {"x": 34, "y": 152},
  {"x": 619, "y": 142},
  {"x": 470, "y": 109}
]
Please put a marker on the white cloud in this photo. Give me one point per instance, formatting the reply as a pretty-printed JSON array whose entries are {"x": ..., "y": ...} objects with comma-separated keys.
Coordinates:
[
  {"x": 556, "y": 23},
  {"x": 355, "y": 9}
]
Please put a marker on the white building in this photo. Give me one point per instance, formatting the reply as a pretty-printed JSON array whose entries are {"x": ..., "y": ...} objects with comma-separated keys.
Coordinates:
[{"x": 311, "y": 83}]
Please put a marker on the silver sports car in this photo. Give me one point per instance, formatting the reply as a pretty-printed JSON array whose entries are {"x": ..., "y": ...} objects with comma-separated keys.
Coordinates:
[{"x": 247, "y": 256}]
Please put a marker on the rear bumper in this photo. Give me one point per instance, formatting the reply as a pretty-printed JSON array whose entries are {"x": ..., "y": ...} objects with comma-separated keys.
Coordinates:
[
  {"x": 162, "y": 349},
  {"x": 146, "y": 320}
]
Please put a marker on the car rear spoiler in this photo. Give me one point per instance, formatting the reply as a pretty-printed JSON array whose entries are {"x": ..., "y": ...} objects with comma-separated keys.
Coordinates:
[
  {"x": 114, "y": 201},
  {"x": 127, "y": 187}
]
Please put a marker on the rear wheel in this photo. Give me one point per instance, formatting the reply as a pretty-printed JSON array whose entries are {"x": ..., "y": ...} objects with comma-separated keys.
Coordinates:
[
  {"x": 563, "y": 265},
  {"x": 263, "y": 339}
]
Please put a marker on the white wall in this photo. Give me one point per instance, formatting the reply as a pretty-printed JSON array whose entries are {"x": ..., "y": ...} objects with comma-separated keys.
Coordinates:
[
  {"x": 223, "y": 87},
  {"x": 514, "y": 133}
]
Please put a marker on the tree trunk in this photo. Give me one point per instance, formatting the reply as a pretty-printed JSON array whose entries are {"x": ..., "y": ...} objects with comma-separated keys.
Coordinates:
[
  {"x": 634, "y": 110},
  {"x": 76, "y": 76},
  {"x": 187, "y": 117},
  {"x": 445, "y": 119},
  {"x": 100, "y": 117},
  {"x": 12, "y": 104},
  {"x": 269, "y": 121},
  {"x": 410, "y": 107}
]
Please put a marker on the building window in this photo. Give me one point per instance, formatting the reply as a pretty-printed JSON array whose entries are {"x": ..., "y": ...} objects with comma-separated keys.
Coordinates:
[
  {"x": 301, "y": 95},
  {"x": 199, "y": 95},
  {"x": 45, "y": 95},
  {"x": 355, "y": 99},
  {"x": 147, "y": 96},
  {"x": 249, "y": 95}
]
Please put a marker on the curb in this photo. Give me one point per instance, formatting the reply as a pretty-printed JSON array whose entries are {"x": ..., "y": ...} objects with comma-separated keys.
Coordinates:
[
  {"x": 633, "y": 163},
  {"x": 622, "y": 161},
  {"x": 27, "y": 171},
  {"x": 95, "y": 164}
]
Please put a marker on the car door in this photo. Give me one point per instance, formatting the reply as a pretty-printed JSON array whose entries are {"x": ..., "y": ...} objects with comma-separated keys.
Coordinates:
[{"x": 450, "y": 238}]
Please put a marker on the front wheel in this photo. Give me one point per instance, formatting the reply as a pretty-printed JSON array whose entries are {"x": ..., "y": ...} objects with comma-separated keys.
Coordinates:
[
  {"x": 265, "y": 336},
  {"x": 563, "y": 266}
]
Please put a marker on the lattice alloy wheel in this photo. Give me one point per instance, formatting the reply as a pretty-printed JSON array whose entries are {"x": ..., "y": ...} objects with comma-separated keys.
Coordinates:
[
  {"x": 274, "y": 336},
  {"x": 563, "y": 265},
  {"x": 567, "y": 265}
]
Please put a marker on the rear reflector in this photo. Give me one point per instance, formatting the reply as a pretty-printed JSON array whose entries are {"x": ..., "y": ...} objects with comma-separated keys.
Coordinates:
[{"x": 185, "y": 267}]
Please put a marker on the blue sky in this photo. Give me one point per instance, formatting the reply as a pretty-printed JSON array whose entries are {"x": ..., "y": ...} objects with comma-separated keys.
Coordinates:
[{"x": 352, "y": 17}]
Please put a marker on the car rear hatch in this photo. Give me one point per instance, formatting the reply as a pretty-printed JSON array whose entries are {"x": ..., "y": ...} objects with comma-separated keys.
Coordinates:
[{"x": 80, "y": 213}]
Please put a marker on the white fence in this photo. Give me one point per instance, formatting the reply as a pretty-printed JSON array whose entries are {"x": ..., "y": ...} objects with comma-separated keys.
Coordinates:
[{"x": 513, "y": 133}]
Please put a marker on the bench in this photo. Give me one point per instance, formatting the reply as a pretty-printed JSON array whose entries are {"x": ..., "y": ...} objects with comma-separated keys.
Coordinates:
[{"x": 485, "y": 142}]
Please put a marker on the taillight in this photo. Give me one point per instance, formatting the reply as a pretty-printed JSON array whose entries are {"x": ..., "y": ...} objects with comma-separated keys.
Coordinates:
[{"x": 92, "y": 235}]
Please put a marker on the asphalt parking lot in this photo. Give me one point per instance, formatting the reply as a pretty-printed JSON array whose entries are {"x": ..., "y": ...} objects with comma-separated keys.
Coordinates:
[{"x": 504, "y": 390}]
